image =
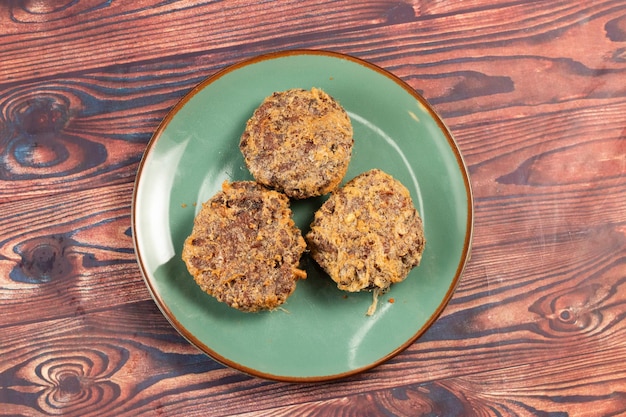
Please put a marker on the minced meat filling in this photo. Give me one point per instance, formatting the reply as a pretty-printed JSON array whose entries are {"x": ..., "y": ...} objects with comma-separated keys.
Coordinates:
[
  {"x": 298, "y": 142},
  {"x": 367, "y": 235},
  {"x": 245, "y": 248}
]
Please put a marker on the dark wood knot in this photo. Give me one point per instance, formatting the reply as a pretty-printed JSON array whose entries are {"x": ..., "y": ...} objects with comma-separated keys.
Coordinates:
[
  {"x": 575, "y": 310},
  {"x": 35, "y": 141},
  {"x": 616, "y": 29},
  {"x": 43, "y": 260},
  {"x": 45, "y": 114},
  {"x": 400, "y": 13},
  {"x": 32, "y": 132},
  {"x": 77, "y": 382}
]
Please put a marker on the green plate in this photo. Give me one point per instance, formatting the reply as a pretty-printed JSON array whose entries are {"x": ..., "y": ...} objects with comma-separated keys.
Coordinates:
[{"x": 321, "y": 333}]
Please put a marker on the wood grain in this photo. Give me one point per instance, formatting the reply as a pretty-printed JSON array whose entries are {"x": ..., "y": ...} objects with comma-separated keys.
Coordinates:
[
  {"x": 73, "y": 251},
  {"x": 67, "y": 120},
  {"x": 534, "y": 94}
]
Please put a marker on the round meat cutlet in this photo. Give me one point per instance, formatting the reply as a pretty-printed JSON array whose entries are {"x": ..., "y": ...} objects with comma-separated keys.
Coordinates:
[
  {"x": 244, "y": 248},
  {"x": 298, "y": 142},
  {"x": 367, "y": 235}
]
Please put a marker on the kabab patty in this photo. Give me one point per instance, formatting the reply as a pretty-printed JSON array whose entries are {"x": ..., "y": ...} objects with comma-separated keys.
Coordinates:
[
  {"x": 244, "y": 248},
  {"x": 367, "y": 235},
  {"x": 298, "y": 142}
]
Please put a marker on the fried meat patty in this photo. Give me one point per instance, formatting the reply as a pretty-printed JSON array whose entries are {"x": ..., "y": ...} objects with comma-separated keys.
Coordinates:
[
  {"x": 298, "y": 142},
  {"x": 244, "y": 248},
  {"x": 367, "y": 235}
]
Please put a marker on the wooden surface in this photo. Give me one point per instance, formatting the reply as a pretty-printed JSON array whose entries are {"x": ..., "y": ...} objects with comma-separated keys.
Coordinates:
[{"x": 535, "y": 94}]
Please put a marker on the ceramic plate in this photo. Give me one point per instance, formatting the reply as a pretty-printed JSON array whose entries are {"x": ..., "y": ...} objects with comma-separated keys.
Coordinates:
[{"x": 321, "y": 333}]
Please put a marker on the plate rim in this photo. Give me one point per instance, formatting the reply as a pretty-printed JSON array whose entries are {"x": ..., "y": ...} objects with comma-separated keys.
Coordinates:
[{"x": 452, "y": 143}]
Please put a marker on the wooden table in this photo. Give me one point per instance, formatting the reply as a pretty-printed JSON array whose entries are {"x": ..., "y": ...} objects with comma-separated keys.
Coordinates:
[{"x": 533, "y": 91}]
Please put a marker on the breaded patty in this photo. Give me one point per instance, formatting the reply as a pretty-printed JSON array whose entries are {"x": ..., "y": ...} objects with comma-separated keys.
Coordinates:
[
  {"x": 298, "y": 142},
  {"x": 244, "y": 248},
  {"x": 367, "y": 235}
]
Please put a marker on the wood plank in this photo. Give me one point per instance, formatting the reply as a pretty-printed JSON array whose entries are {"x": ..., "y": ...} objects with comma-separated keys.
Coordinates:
[
  {"x": 73, "y": 251},
  {"x": 580, "y": 281},
  {"x": 87, "y": 233},
  {"x": 584, "y": 301},
  {"x": 127, "y": 32},
  {"x": 85, "y": 131},
  {"x": 328, "y": 25},
  {"x": 534, "y": 94},
  {"x": 465, "y": 341},
  {"x": 109, "y": 363},
  {"x": 585, "y": 388},
  {"x": 89, "y": 128},
  {"x": 129, "y": 361}
]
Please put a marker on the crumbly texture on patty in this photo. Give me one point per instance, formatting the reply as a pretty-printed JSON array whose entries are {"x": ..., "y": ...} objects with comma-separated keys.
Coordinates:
[
  {"x": 367, "y": 235},
  {"x": 298, "y": 142},
  {"x": 244, "y": 248}
]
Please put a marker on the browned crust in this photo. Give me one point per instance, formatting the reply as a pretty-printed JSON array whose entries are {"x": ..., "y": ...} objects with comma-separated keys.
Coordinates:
[
  {"x": 245, "y": 248},
  {"x": 367, "y": 235},
  {"x": 298, "y": 142}
]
